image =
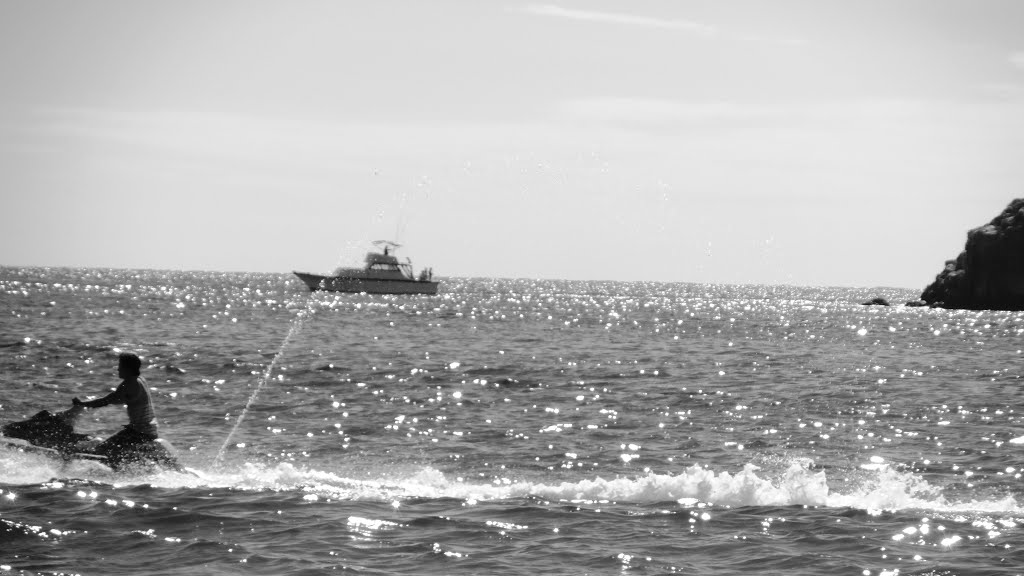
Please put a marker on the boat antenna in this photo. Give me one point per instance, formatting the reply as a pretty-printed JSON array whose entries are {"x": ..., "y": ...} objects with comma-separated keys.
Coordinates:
[{"x": 386, "y": 243}]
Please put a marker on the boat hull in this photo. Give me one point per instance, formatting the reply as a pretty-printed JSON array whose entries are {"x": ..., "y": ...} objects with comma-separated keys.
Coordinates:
[{"x": 368, "y": 285}]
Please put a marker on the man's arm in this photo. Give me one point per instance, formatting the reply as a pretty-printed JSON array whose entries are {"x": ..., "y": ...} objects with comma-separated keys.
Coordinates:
[{"x": 115, "y": 396}]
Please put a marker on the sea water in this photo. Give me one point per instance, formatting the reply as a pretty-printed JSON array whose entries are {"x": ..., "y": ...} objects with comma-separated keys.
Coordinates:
[{"x": 516, "y": 427}]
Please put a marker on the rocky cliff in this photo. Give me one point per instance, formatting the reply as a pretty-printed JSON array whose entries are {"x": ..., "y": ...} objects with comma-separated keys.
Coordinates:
[{"x": 989, "y": 273}]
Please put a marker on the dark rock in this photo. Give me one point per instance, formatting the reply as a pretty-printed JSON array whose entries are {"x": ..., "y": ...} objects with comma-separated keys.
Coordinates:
[
  {"x": 876, "y": 302},
  {"x": 989, "y": 273}
]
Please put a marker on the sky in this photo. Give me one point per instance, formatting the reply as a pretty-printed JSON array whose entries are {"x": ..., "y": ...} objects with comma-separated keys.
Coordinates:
[{"x": 813, "y": 142}]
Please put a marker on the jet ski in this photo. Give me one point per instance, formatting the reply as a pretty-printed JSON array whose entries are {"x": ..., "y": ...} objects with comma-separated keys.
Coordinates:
[{"x": 53, "y": 434}]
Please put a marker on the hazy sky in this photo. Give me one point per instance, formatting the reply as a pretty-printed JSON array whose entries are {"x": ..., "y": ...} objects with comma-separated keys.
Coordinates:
[{"x": 807, "y": 142}]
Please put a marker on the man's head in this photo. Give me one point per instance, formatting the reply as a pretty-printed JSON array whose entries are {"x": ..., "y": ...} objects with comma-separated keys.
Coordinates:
[{"x": 128, "y": 364}]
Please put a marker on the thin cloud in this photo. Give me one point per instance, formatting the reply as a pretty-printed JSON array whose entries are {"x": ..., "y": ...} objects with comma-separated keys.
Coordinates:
[
  {"x": 646, "y": 111},
  {"x": 689, "y": 26}
]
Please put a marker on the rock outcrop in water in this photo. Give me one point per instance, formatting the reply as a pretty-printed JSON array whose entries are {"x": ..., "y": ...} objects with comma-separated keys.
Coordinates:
[
  {"x": 876, "y": 302},
  {"x": 989, "y": 273}
]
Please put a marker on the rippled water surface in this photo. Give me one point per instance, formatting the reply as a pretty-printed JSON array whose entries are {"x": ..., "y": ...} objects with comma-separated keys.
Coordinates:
[{"x": 516, "y": 427}]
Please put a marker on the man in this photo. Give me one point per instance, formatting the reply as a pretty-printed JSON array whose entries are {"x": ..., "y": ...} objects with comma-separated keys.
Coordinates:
[{"x": 133, "y": 392}]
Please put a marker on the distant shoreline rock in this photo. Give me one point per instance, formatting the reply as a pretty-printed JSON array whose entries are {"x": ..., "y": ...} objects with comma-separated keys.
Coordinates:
[{"x": 989, "y": 273}]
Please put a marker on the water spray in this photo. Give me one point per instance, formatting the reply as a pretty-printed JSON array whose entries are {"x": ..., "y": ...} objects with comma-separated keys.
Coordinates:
[{"x": 295, "y": 329}]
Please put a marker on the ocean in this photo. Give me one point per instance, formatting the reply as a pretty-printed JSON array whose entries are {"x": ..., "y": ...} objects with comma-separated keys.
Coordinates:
[{"x": 516, "y": 427}]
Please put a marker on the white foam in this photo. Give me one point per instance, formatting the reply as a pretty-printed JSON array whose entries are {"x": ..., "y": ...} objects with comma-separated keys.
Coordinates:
[
  {"x": 19, "y": 467},
  {"x": 877, "y": 486},
  {"x": 799, "y": 484}
]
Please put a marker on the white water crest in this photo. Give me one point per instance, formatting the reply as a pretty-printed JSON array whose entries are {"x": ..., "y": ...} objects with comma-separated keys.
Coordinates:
[{"x": 798, "y": 485}]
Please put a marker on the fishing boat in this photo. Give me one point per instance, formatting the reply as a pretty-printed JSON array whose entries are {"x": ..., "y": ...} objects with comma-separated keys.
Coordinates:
[{"x": 381, "y": 274}]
